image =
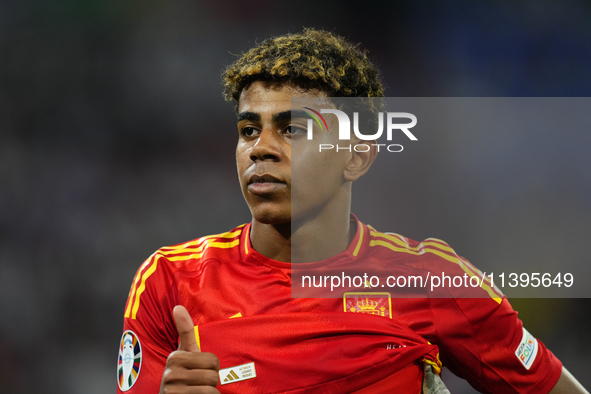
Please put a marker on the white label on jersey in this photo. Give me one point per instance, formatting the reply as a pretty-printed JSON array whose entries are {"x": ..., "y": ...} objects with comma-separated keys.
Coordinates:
[
  {"x": 238, "y": 373},
  {"x": 527, "y": 349}
]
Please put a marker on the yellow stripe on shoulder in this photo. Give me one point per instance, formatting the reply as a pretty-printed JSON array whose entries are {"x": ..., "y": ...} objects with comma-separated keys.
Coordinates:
[
  {"x": 397, "y": 243},
  {"x": 206, "y": 245},
  {"x": 134, "y": 285},
  {"x": 439, "y": 244},
  {"x": 140, "y": 290},
  {"x": 402, "y": 242},
  {"x": 396, "y": 239},
  {"x": 197, "y": 246},
  {"x": 197, "y": 242}
]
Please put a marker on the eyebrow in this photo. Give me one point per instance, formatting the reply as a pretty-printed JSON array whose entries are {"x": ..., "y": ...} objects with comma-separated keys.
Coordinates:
[
  {"x": 253, "y": 116},
  {"x": 277, "y": 117}
]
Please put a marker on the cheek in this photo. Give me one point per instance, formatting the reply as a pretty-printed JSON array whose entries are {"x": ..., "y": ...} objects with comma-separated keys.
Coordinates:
[
  {"x": 316, "y": 173},
  {"x": 242, "y": 159}
]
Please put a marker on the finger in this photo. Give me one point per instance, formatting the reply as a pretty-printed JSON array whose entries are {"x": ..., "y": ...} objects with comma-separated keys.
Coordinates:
[
  {"x": 190, "y": 377},
  {"x": 191, "y": 360},
  {"x": 186, "y": 329}
]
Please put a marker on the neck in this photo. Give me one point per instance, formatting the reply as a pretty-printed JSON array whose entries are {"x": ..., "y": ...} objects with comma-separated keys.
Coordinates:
[{"x": 324, "y": 233}]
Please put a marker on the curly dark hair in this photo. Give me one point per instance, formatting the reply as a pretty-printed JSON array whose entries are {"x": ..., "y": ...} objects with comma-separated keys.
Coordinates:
[{"x": 312, "y": 59}]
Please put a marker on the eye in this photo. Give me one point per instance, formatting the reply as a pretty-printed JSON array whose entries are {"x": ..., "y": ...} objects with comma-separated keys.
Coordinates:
[
  {"x": 295, "y": 130},
  {"x": 248, "y": 131}
]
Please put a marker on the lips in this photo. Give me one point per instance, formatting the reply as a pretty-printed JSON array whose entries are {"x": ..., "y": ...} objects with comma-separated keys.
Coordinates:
[
  {"x": 265, "y": 178},
  {"x": 264, "y": 184}
]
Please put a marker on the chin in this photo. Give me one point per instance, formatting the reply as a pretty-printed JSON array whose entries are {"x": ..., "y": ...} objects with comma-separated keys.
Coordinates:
[{"x": 271, "y": 216}]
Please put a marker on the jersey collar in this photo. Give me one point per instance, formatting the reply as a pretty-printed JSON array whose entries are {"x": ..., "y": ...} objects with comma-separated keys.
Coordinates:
[{"x": 356, "y": 249}]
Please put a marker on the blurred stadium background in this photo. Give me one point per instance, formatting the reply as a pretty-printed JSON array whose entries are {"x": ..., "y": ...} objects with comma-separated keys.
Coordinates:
[{"x": 115, "y": 140}]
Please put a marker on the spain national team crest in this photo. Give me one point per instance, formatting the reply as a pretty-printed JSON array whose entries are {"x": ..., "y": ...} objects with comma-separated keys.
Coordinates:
[
  {"x": 378, "y": 304},
  {"x": 130, "y": 360}
]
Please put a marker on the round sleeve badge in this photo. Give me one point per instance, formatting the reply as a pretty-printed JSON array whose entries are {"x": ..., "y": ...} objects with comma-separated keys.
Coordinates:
[{"x": 130, "y": 360}]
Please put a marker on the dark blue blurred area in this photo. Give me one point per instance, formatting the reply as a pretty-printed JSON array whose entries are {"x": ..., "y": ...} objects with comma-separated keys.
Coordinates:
[{"x": 115, "y": 140}]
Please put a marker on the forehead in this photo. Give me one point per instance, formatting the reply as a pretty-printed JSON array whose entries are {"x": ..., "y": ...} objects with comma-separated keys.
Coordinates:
[{"x": 264, "y": 97}]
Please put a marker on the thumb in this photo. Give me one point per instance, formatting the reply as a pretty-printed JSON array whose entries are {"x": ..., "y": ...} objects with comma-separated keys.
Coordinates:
[{"x": 186, "y": 329}]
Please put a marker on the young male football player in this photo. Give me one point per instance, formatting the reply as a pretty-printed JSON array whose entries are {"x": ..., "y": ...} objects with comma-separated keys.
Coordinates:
[{"x": 230, "y": 294}]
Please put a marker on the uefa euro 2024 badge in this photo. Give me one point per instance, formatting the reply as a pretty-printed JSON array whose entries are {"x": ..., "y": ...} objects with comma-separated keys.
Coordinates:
[{"x": 130, "y": 360}]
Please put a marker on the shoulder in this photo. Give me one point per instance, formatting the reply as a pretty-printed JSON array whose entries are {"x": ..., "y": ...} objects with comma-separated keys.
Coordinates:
[
  {"x": 188, "y": 254},
  {"x": 158, "y": 273},
  {"x": 401, "y": 247},
  {"x": 437, "y": 259}
]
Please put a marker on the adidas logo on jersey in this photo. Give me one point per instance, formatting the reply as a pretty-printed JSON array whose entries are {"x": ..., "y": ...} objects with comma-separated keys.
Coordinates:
[
  {"x": 231, "y": 376},
  {"x": 237, "y": 373}
]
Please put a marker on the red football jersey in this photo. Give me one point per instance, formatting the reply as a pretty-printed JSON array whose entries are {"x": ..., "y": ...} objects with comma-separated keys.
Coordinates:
[{"x": 269, "y": 342}]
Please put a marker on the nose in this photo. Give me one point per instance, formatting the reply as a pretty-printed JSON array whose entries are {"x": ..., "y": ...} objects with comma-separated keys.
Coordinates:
[{"x": 267, "y": 146}]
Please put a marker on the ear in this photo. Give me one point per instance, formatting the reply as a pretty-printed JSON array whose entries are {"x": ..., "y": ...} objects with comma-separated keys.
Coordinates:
[{"x": 360, "y": 161}]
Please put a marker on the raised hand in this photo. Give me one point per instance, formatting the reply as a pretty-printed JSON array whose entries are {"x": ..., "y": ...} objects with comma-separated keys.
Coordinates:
[{"x": 188, "y": 370}]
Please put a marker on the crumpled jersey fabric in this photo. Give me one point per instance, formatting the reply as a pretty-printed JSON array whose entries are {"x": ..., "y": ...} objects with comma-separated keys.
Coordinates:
[{"x": 319, "y": 352}]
